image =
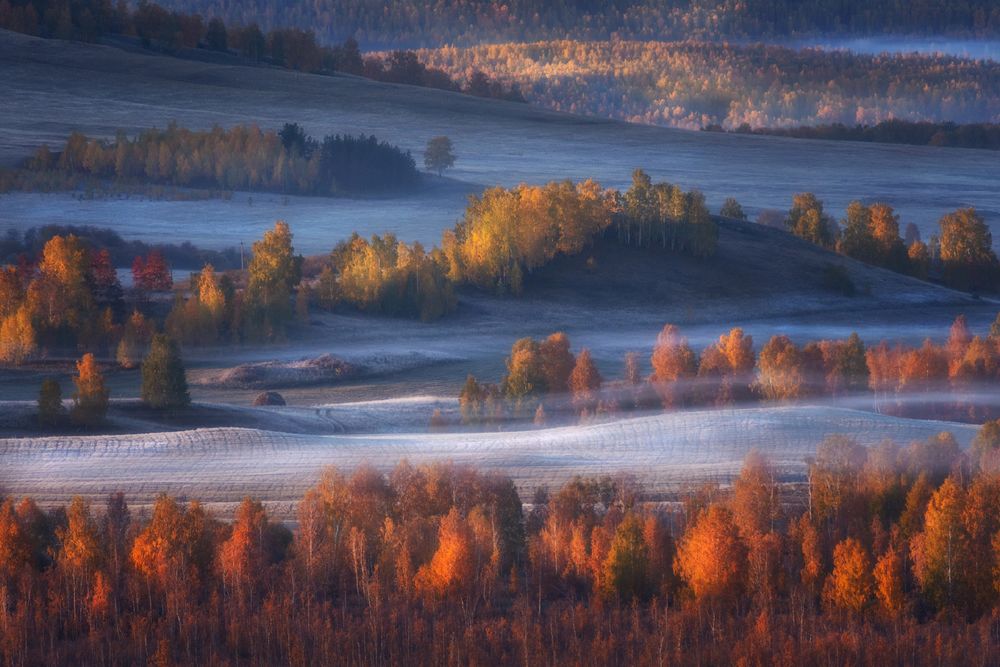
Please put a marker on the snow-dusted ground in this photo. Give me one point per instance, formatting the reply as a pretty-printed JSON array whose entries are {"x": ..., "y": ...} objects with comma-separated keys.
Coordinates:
[{"x": 221, "y": 465}]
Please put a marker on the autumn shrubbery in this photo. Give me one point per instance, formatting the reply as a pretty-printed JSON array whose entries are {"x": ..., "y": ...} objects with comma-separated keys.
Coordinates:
[{"x": 894, "y": 553}]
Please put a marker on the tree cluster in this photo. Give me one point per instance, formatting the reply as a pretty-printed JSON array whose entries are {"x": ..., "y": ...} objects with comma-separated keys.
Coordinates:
[
  {"x": 385, "y": 275},
  {"x": 893, "y": 555},
  {"x": 960, "y": 256},
  {"x": 71, "y": 299},
  {"x": 506, "y": 233},
  {"x": 538, "y": 373},
  {"x": 240, "y": 158}
]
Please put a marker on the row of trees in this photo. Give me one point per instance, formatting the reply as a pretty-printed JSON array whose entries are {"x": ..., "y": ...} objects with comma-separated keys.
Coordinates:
[
  {"x": 709, "y": 83},
  {"x": 240, "y": 158},
  {"x": 547, "y": 377},
  {"x": 893, "y": 558},
  {"x": 895, "y": 131},
  {"x": 19, "y": 245},
  {"x": 961, "y": 255}
]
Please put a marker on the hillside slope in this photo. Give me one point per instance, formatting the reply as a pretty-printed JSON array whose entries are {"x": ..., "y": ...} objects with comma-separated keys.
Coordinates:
[
  {"x": 757, "y": 270},
  {"x": 52, "y": 88}
]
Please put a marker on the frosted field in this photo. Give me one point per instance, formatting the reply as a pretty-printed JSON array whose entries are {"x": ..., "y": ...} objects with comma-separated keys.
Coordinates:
[
  {"x": 664, "y": 452},
  {"x": 52, "y": 88}
]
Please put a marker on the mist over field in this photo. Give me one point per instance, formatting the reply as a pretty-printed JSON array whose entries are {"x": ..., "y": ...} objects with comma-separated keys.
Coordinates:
[{"x": 637, "y": 332}]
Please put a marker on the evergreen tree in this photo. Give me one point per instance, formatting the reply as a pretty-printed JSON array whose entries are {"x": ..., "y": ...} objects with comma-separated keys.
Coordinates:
[
  {"x": 50, "y": 406},
  {"x": 163, "y": 383}
]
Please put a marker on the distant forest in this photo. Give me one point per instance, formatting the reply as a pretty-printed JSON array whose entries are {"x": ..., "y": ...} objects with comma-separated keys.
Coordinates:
[
  {"x": 410, "y": 23},
  {"x": 971, "y": 135},
  {"x": 691, "y": 84}
]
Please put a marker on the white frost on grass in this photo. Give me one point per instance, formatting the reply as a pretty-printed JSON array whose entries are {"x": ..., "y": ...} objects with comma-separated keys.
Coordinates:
[{"x": 221, "y": 465}]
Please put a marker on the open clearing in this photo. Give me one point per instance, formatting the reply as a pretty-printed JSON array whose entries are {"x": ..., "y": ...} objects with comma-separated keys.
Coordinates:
[{"x": 221, "y": 465}]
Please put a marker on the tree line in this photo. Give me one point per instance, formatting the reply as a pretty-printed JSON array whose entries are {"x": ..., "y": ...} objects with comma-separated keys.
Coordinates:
[
  {"x": 240, "y": 158},
  {"x": 894, "y": 131},
  {"x": 410, "y": 22},
  {"x": 884, "y": 554},
  {"x": 960, "y": 256},
  {"x": 291, "y": 47},
  {"x": 929, "y": 381},
  {"x": 185, "y": 255}
]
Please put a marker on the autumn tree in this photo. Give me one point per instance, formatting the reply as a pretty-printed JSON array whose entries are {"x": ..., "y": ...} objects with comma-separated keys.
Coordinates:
[
  {"x": 60, "y": 298},
  {"x": 967, "y": 257},
  {"x": 18, "y": 336},
  {"x": 889, "y": 581},
  {"x": 438, "y": 155},
  {"x": 451, "y": 570},
  {"x": 525, "y": 376},
  {"x": 755, "y": 503},
  {"x": 807, "y": 220},
  {"x": 674, "y": 362},
  {"x": 90, "y": 402},
  {"x": 15, "y": 546},
  {"x": 849, "y": 586},
  {"x": 557, "y": 362},
  {"x": 151, "y": 273},
  {"x": 727, "y": 367},
  {"x": 940, "y": 551},
  {"x": 780, "y": 373},
  {"x": 585, "y": 381},
  {"x": 164, "y": 385},
  {"x": 711, "y": 557},
  {"x": 274, "y": 271},
  {"x": 80, "y": 551},
  {"x": 243, "y": 557},
  {"x": 889, "y": 246}
]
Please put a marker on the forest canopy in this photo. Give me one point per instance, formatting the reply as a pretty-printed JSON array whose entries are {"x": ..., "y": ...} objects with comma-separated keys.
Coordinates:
[{"x": 895, "y": 554}]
